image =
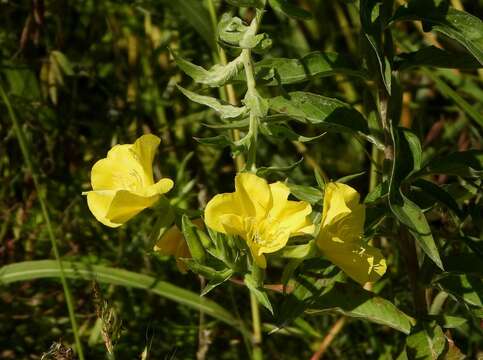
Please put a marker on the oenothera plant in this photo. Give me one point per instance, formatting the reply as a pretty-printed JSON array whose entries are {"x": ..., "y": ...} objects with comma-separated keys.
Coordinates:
[{"x": 326, "y": 237}]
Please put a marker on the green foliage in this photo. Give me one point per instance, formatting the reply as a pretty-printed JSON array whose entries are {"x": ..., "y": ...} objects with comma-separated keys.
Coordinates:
[{"x": 383, "y": 95}]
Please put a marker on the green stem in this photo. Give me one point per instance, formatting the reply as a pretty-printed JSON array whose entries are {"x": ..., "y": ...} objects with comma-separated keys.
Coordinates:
[
  {"x": 25, "y": 152},
  {"x": 252, "y": 92},
  {"x": 257, "y": 328}
]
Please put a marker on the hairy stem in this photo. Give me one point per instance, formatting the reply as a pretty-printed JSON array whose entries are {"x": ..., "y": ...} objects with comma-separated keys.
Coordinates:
[{"x": 45, "y": 213}]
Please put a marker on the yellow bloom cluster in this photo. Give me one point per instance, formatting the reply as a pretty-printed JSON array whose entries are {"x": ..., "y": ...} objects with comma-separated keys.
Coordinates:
[{"x": 258, "y": 212}]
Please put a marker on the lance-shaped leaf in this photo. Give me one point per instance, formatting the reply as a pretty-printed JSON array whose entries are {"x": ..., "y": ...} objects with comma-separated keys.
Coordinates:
[
  {"x": 225, "y": 110},
  {"x": 327, "y": 113},
  {"x": 435, "y": 57},
  {"x": 281, "y": 71},
  {"x": 218, "y": 75},
  {"x": 458, "y": 25},
  {"x": 258, "y": 291},
  {"x": 407, "y": 152},
  {"x": 266, "y": 171},
  {"x": 313, "y": 296},
  {"x": 372, "y": 25},
  {"x": 30, "y": 270},
  {"x": 305, "y": 193}
]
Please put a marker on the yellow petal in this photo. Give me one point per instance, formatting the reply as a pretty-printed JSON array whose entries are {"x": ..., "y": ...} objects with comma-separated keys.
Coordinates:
[
  {"x": 127, "y": 166},
  {"x": 343, "y": 217},
  {"x": 363, "y": 263},
  {"x": 335, "y": 202},
  {"x": 253, "y": 194},
  {"x": 144, "y": 150},
  {"x": 233, "y": 224},
  {"x": 351, "y": 226},
  {"x": 161, "y": 187},
  {"x": 280, "y": 193},
  {"x": 119, "y": 170},
  {"x": 99, "y": 203},
  {"x": 272, "y": 238},
  {"x": 294, "y": 218},
  {"x": 126, "y": 205},
  {"x": 221, "y": 204}
]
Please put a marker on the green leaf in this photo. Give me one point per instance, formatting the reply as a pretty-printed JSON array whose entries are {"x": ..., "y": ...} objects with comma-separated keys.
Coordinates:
[
  {"x": 467, "y": 288},
  {"x": 379, "y": 192},
  {"x": 346, "y": 299},
  {"x": 435, "y": 57},
  {"x": 259, "y": 292},
  {"x": 282, "y": 71},
  {"x": 217, "y": 76},
  {"x": 463, "y": 163},
  {"x": 194, "y": 243},
  {"x": 372, "y": 24},
  {"x": 231, "y": 29},
  {"x": 303, "y": 251},
  {"x": 348, "y": 178},
  {"x": 22, "y": 81},
  {"x": 426, "y": 344},
  {"x": 458, "y": 25},
  {"x": 327, "y": 113},
  {"x": 30, "y": 270},
  {"x": 225, "y": 110},
  {"x": 407, "y": 150},
  {"x": 305, "y": 193},
  {"x": 412, "y": 216},
  {"x": 213, "y": 283},
  {"x": 288, "y": 8},
  {"x": 265, "y": 171},
  {"x": 449, "y": 322}
]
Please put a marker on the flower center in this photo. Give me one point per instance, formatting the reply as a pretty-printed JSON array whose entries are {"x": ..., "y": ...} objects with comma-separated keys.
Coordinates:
[{"x": 263, "y": 232}]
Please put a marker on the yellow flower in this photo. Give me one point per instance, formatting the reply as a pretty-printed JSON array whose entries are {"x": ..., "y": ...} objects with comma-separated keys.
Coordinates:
[
  {"x": 123, "y": 182},
  {"x": 339, "y": 239},
  {"x": 260, "y": 214},
  {"x": 174, "y": 244}
]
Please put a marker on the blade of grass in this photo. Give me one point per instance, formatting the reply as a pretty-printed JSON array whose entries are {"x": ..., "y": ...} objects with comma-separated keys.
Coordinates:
[
  {"x": 39, "y": 269},
  {"x": 45, "y": 213}
]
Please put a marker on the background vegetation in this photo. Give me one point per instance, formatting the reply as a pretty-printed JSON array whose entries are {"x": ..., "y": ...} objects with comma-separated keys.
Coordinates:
[{"x": 82, "y": 76}]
